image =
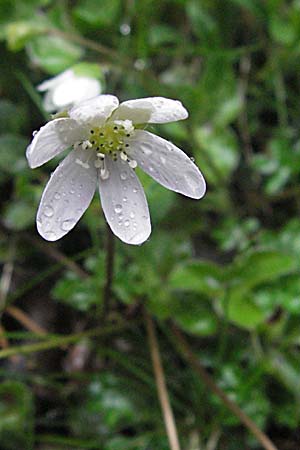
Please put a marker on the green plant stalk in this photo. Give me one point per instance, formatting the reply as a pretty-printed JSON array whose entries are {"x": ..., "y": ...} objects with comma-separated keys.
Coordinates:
[{"x": 61, "y": 340}]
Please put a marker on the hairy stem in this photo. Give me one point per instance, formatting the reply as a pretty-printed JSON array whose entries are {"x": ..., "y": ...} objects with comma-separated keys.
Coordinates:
[{"x": 110, "y": 257}]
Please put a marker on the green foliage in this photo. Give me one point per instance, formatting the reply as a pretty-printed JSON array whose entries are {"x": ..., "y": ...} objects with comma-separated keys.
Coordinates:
[
  {"x": 224, "y": 269},
  {"x": 16, "y": 416}
]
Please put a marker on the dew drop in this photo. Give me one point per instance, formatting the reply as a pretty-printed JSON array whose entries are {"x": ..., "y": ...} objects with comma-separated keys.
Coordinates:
[
  {"x": 127, "y": 223},
  {"x": 50, "y": 235},
  {"x": 68, "y": 224},
  {"x": 48, "y": 211},
  {"x": 147, "y": 149},
  {"x": 72, "y": 191},
  {"x": 163, "y": 159},
  {"x": 135, "y": 190},
  {"x": 124, "y": 199},
  {"x": 57, "y": 196},
  {"x": 123, "y": 175},
  {"x": 132, "y": 215},
  {"x": 151, "y": 168},
  {"x": 118, "y": 208}
]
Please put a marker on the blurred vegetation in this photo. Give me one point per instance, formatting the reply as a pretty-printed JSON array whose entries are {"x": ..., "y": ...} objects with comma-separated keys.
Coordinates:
[{"x": 224, "y": 269}]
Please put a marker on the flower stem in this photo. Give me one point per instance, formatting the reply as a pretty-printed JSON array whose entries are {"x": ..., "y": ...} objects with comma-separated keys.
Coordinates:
[
  {"x": 110, "y": 257},
  {"x": 161, "y": 385}
]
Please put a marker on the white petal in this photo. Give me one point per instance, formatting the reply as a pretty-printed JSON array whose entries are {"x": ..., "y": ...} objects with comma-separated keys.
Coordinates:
[
  {"x": 151, "y": 109},
  {"x": 53, "y": 138},
  {"x": 54, "y": 81},
  {"x": 94, "y": 111},
  {"x": 124, "y": 203},
  {"x": 166, "y": 163},
  {"x": 75, "y": 90},
  {"x": 67, "y": 194}
]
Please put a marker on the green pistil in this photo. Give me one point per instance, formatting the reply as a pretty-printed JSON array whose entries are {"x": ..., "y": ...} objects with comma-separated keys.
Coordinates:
[{"x": 108, "y": 139}]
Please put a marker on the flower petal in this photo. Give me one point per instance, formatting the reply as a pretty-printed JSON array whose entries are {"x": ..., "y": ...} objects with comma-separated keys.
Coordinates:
[
  {"x": 74, "y": 91},
  {"x": 124, "y": 203},
  {"x": 51, "y": 139},
  {"x": 94, "y": 111},
  {"x": 151, "y": 109},
  {"x": 55, "y": 81},
  {"x": 166, "y": 163},
  {"x": 67, "y": 195}
]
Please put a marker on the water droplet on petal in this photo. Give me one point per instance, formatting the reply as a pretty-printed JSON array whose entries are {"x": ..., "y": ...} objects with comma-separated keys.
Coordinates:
[
  {"x": 135, "y": 190},
  {"x": 50, "y": 235},
  {"x": 118, "y": 208},
  {"x": 48, "y": 211},
  {"x": 127, "y": 223},
  {"x": 132, "y": 215},
  {"x": 123, "y": 175},
  {"x": 147, "y": 149},
  {"x": 151, "y": 168},
  {"x": 72, "y": 191},
  {"x": 57, "y": 196},
  {"x": 68, "y": 224},
  {"x": 163, "y": 159},
  {"x": 124, "y": 199}
]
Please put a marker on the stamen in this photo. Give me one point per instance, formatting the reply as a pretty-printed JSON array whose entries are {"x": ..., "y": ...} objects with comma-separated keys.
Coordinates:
[
  {"x": 123, "y": 156},
  {"x": 132, "y": 163}
]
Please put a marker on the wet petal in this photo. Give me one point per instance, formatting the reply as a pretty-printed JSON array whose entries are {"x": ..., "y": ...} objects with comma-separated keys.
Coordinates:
[
  {"x": 75, "y": 90},
  {"x": 51, "y": 139},
  {"x": 151, "y": 109},
  {"x": 94, "y": 111},
  {"x": 124, "y": 203},
  {"x": 67, "y": 195},
  {"x": 166, "y": 163},
  {"x": 55, "y": 81}
]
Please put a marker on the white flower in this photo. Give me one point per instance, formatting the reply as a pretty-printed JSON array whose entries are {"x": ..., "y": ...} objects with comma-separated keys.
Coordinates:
[
  {"x": 107, "y": 145},
  {"x": 68, "y": 89}
]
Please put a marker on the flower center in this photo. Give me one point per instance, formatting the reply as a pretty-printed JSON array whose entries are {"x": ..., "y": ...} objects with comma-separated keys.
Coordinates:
[{"x": 109, "y": 139}]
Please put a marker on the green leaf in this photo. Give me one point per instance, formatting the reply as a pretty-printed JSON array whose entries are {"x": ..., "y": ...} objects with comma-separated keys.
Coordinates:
[
  {"x": 89, "y": 11},
  {"x": 244, "y": 312},
  {"x": 220, "y": 152},
  {"x": 260, "y": 267},
  {"x": 16, "y": 416},
  {"x": 202, "y": 277},
  {"x": 194, "y": 317},
  {"x": 53, "y": 53},
  {"x": 19, "y": 215},
  {"x": 13, "y": 156},
  {"x": 19, "y": 33}
]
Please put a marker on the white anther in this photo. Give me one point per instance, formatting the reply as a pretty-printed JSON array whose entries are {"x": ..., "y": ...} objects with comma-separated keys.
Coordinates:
[
  {"x": 101, "y": 155},
  {"x": 123, "y": 156},
  {"x": 126, "y": 124},
  {"x": 86, "y": 144},
  {"x": 104, "y": 174},
  {"x": 98, "y": 163},
  {"x": 132, "y": 163}
]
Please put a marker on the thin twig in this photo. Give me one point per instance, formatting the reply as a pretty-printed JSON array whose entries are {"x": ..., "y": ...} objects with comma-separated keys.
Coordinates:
[
  {"x": 5, "y": 282},
  {"x": 110, "y": 256},
  {"x": 61, "y": 341},
  {"x": 25, "y": 320},
  {"x": 161, "y": 385},
  {"x": 188, "y": 354}
]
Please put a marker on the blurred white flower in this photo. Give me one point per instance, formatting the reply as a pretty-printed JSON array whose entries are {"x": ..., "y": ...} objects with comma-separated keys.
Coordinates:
[
  {"x": 68, "y": 89},
  {"x": 107, "y": 146}
]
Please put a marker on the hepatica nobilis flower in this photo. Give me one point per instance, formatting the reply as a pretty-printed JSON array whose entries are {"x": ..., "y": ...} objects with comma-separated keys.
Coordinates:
[{"x": 108, "y": 144}]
